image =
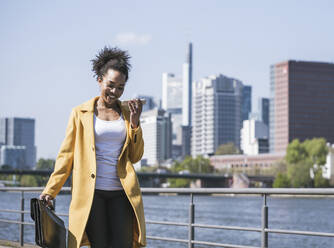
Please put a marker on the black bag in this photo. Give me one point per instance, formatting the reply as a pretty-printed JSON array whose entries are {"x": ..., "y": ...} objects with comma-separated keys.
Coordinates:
[{"x": 50, "y": 231}]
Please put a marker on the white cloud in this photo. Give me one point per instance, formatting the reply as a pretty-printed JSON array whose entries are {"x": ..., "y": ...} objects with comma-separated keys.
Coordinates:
[{"x": 130, "y": 38}]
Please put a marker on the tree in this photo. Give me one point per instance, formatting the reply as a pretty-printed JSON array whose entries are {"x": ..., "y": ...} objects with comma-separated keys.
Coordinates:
[
  {"x": 6, "y": 177},
  {"x": 197, "y": 165},
  {"x": 45, "y": 164},
  {"x": 179, "y": 182},
  {"x": 6, "y": 167},
  {"x": 148, "y": 168},
  {"x": 28, "y": 181},
  {"x": 281, "y": 181},
  {"x": 192, "y": 165},
  {"x": 319, "y": 181},
  {"x": 228, "y": 148},
  {"x": 295, "y": 152},
  {"x": 299, "y": 174},
  {"x": 317, "y": 150},
  {"x": 301, "y": 158}
]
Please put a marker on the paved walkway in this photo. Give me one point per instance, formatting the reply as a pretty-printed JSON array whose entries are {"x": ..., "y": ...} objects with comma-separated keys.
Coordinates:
[{"x": 11, "y": 244}]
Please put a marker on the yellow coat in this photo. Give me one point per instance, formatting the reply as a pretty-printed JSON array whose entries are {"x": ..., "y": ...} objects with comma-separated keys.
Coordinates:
[{"x": 77, "y": 155}]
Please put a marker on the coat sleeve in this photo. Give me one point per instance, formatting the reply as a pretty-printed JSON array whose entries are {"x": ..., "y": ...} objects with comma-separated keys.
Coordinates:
[
  {"x": 64, "y": 160},
  {"x": 136, "y": 145}
]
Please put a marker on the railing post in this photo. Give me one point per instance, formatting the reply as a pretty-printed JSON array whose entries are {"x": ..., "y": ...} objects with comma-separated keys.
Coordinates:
[
  {"x": 22, "y": 220},
  {"x": 191, "y": 234},
  {"x": 264, "y": 240}
]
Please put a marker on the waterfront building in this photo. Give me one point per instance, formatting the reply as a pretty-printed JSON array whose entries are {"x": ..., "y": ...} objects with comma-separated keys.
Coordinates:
[
  {"x": 177, "y": 100},
  {"x": 245, "y": 162},
  {"x": 187, "y": 102},
  {"x": 254, "y": 116},
  {"x": 217, "y": 120},
  {"x": 172, "y": 103},
  {"x": 157, "y": 134},
  {"x": 328, "y": 168},
  {"x": 263, "y": 106},
  {"x": 301, "y": 102},
  {"x": 171, "y": 92},
  {"x": 246, "y": 106},
  {"x": 19, "y": 132},
  {"x": 15, "y": 156},
  {"x": 254, "y": 137}
]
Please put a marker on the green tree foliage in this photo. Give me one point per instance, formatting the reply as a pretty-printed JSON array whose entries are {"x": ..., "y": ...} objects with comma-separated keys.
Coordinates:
[
  {"x": 319, "y": 181},
  {"x": 228, "y": 148},
  {"x": 299, "y": 174},
  {"x": 295, "y": 152},
  {"x": 6, "y": 167},
  {"x": 197, "y": 165},
  {"x": 281, "y": 181},
  {"x": 179, "y": 182},
  {"x": 45, "y": 164},
  {"x": 301, "y": 158},
  {"x": 189, "y": 165},
  {"x": 148, "y": 169},
  {"x": 6, "y": 177},
  {"x": 317, "y": 150},
  {"x": 29, "y": 181}
]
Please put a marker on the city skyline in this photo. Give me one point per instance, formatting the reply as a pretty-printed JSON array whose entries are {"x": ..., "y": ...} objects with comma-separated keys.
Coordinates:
[{"x": 46, "y": 58}]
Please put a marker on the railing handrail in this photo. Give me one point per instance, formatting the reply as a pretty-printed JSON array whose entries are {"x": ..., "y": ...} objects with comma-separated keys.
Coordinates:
[
  {"x": 264, "y": 230},
  {"x": 252, "y": 191}
]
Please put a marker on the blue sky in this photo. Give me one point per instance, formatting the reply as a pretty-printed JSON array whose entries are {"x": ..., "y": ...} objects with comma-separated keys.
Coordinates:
[{"x": 46, "y": 48}]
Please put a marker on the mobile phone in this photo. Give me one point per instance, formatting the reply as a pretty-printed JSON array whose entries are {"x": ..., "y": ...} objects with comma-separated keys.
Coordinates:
[{"x": 125, "y": 103}]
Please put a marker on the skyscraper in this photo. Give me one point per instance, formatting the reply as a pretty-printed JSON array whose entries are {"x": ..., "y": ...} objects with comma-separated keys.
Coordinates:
[
  {"x": 263, "y": 105},
  {"x": 246, "y": 101},
  {"x": 187, "y": 87},
  {"x": 172, "y": 103},
  {"x": 254, "y": 137},
  {"x": 171, "y": 92},
  {"x": 217, "y": 115},
  {"x": 19, "y": 132},
  {"x": 301, "y": 102},
  {"x": 187, "y": 102},
  {"x": 157, "y": 135}
]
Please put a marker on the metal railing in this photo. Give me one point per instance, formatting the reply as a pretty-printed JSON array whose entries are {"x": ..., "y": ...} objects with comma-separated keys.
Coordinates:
[{"x": 191, "y": 225}]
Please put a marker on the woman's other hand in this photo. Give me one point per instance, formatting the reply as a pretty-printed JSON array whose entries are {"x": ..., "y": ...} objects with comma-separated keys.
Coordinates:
[
  {"x": 47, "y": 198},
  {"x": 135, "y": 107}
]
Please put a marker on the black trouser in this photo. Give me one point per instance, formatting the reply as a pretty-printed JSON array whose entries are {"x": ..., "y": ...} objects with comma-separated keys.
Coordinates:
[{"x": 110, "y": 220}]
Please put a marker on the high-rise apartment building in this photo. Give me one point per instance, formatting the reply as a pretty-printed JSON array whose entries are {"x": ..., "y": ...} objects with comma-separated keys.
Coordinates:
[
  {"x": 254, "y": 137},
  {"x": 19, "y": 132},
  {"x": 15, "y": 156},
  {"x": 157, "y": 135},
  {"x": 246, "y": 102},
  {"x": 187, "y": 102},
  {"x": 301, "y": 102},
  {"x": 171, "y": 92},
  {"x": 217, "y": 114},
  {"x": 172, "y": 103},
  {"x": 263, "y": 105}
]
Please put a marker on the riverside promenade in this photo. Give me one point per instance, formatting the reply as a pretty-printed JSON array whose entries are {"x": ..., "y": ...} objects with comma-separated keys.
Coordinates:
[
  {"x": 10, "y": 244},
  {"x": 298, "y": 216}
]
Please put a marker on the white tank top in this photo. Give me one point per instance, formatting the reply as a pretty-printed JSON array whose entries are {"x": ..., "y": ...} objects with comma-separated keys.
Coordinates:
[{"x": 109, "y": 140}]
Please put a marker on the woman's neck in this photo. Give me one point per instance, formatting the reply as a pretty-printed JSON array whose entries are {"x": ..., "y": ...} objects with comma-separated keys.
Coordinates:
[{"x": 103, "y": 105}]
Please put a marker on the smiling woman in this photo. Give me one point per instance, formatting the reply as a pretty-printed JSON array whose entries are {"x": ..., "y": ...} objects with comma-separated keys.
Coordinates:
[{"x": 103, "y": 140}]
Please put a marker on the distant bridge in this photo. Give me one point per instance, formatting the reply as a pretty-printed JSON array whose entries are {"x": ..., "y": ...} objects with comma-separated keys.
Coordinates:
[{"x": 154, "y": 178}]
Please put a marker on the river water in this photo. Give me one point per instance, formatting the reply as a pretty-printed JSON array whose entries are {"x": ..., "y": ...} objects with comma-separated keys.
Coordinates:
[{"x": 302, "y": 213}]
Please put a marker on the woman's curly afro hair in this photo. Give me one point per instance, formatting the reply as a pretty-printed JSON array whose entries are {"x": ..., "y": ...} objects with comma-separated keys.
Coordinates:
[{"x": 111, "y": 58}]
